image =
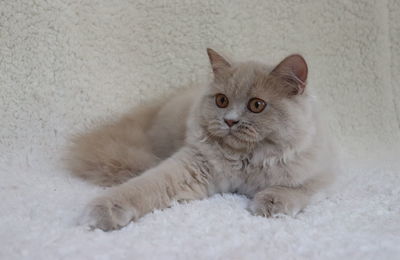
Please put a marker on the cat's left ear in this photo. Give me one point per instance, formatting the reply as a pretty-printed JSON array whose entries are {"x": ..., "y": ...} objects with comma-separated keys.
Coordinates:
[
  {"x": 293, "y": 71},
  {"x": 220, "y": 66}
]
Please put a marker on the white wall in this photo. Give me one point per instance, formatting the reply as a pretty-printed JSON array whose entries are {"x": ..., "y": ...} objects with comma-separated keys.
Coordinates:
[{"x": 64, "y": 64}]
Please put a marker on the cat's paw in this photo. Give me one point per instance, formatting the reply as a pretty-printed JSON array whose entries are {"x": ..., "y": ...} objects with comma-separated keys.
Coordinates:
[
  {"x": 272, "y": 203},
  {"x": 107, "y": 213}
]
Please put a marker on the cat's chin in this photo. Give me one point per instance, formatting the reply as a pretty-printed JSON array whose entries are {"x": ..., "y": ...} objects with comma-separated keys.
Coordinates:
[
  {"x": 236, "y": 143},
  {"x": 231, "y": 141}
]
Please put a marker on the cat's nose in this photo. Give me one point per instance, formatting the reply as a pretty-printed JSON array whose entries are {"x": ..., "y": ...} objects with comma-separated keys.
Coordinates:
[{"x": 230, "y": 122}]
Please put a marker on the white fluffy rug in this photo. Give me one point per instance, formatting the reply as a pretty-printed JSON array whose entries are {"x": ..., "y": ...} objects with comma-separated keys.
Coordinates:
[
  {"x": 67, "y": 64},
  {"x": 360, "y": 220}
]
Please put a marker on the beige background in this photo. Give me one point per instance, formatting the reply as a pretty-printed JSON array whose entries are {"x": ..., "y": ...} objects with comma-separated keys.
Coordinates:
[{"x": 65, "y": 64}]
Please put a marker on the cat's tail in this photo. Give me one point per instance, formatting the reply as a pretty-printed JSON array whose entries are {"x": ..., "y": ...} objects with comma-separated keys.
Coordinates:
[{"x": 111, "y": 154}]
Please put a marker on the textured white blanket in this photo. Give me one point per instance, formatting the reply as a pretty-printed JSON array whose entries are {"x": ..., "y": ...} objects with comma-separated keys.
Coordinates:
[{"x": 65, "y": 65}]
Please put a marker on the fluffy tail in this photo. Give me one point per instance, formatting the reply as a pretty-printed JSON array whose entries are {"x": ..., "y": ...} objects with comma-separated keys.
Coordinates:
[{"x": 112, "y": 154}]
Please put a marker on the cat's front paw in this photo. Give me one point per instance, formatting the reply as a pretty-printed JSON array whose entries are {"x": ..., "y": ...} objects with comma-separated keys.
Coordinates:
[
  {"x": 107, "y": 213},
  {"x": 271, "y": 202}
]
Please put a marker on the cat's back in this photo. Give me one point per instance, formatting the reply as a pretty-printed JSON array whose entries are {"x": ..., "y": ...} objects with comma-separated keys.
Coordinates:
[{"x": 168, "y": 130}]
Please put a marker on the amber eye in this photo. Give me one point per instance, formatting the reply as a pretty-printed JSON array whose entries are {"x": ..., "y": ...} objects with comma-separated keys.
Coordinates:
[
  {"x": 221, "y": 100},
  {"x": 256, "y": 105}
]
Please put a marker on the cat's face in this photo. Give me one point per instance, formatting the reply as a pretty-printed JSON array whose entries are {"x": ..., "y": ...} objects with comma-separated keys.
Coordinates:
[{"x": 249, "y": 103}]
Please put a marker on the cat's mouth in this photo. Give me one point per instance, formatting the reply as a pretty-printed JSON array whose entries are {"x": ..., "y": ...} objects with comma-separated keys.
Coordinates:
[{"x": 236, "y": 138}]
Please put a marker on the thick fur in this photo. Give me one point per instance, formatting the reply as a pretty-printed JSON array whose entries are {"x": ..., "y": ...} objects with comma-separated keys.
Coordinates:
[{"x": 181, "y": 148}]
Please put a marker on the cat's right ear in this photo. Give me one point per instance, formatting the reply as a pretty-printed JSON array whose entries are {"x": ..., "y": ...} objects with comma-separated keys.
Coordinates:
[
  {"x": 220, "y": 66},
  {"x": 292, "y": 72}
]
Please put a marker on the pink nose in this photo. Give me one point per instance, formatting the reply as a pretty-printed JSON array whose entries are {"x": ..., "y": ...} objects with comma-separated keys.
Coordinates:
[{"x": 230, "y": 123}]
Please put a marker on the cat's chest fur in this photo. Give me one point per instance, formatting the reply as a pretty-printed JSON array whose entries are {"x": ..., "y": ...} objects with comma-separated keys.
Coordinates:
[{"x": 246, "y": 173}]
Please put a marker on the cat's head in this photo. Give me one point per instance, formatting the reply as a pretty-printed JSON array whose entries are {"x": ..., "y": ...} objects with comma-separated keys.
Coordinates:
[{"x": 250, "y": 103}]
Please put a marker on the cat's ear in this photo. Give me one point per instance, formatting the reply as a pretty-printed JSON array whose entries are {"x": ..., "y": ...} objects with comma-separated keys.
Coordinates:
[
  {"x": 293, "y": 73},
  {"x": 219, "y": 65}
]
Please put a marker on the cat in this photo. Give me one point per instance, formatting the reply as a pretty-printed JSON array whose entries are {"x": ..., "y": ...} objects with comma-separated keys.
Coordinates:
[{"x": 254, "y": 130}]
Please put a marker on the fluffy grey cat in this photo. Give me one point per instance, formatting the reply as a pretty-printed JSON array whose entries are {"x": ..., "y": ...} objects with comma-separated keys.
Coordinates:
[{"x": 255, "y": 130}]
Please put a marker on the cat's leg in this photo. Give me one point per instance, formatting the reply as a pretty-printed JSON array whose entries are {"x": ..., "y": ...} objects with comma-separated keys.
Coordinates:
[
  {"x": 181, "y": 177},
  {"x": 280, "y": 200}
]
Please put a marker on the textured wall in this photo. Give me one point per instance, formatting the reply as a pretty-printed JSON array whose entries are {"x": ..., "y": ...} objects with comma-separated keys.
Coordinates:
[
  {"x": 64, "y": 64},
  {"x": 394, "y": 40}
]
